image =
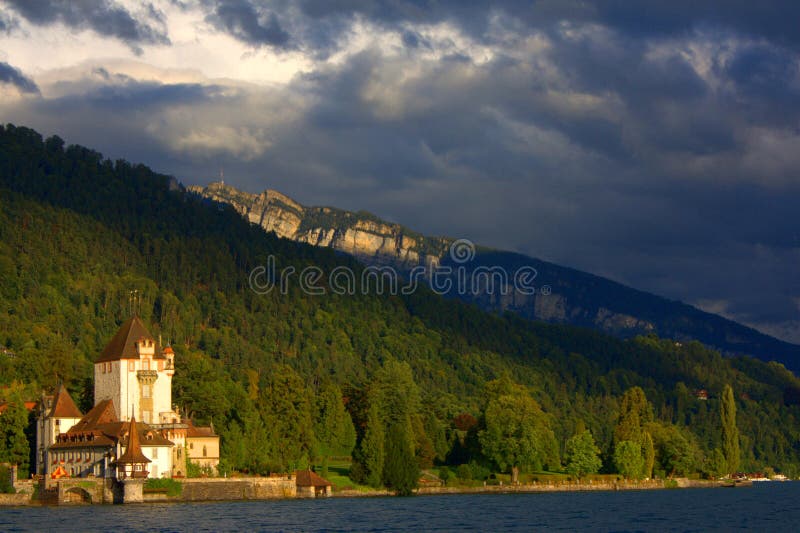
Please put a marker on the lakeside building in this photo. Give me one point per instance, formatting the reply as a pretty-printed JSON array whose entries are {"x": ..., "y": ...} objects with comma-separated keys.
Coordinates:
[{"x": 132, "y": 380}]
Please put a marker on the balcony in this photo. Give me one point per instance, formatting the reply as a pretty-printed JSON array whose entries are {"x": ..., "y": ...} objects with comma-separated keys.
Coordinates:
[{"x": 147, "y": 376}]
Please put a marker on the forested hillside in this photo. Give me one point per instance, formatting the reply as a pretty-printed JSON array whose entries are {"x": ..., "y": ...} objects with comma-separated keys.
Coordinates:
[
  {"x": 289, "y": 379},
  {"x": 569, "y": 296}
]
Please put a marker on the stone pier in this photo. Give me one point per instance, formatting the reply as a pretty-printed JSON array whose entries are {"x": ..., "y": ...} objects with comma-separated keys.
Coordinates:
[{"x": 133, "y": 491}]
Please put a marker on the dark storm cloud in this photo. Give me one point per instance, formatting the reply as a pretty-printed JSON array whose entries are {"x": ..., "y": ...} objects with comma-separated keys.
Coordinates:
[
  {"x": 15, "y": 77},
  {"x": 135, "y": 96},
  {"x": 657, "y": 144},
  {"x": 775, "y": 20},
  {"x": 7, "y": 22},
  {"x": 105, "y": 17},
  {"x": 250, "y": 24}
]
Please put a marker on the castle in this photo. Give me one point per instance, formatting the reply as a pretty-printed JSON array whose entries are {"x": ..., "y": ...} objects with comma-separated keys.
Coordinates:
[{"x": 133, "y": 430}]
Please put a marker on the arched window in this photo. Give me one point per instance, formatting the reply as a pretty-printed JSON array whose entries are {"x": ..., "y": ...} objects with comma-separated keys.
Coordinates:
[{"x": 205, "y": 451}]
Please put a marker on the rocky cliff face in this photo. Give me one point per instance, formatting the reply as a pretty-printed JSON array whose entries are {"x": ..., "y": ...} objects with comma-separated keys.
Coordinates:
[
  {"x": 359, "y": 234},
  {"x": 562, "y": 295}
]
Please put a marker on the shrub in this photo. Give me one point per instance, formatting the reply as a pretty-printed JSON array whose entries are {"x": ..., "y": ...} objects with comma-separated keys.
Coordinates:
[
  {"x": 464, "y": 472},
  {"x": 479, "y": 471},
  {"x": 174, "y": 487},
  {"x": 6, "y": 487}
]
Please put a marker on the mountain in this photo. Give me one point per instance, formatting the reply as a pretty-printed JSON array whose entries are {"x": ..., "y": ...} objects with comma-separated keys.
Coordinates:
[
  {"x": 79, "y": 232},
  {"x": 361, "y": 234},
  {"x": 565, "y": 295}
]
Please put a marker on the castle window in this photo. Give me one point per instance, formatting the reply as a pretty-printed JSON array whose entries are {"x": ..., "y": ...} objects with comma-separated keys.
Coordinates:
[
  {"x": 108, "y": 367},
  {"x": 146, "y": 364},
  {"x": 179, "y": 453},
  {"x": 205, "y": 451},
  {"x": 155, "y": 453},
  {"x": 146, "y": 392},
  {"x": 131, "y": 366},
  {"x": 160, "y": 366}
]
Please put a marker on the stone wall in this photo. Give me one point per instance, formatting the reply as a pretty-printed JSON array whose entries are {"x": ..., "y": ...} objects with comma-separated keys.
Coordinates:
[
  {"x": 216, "y": 489},
  {"x": 15, "y": 499}
]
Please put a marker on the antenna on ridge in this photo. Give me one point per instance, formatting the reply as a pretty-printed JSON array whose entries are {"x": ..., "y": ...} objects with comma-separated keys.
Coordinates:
[
  {"x": 222, "y": 175},
  {"x": 134, "y": 302}
]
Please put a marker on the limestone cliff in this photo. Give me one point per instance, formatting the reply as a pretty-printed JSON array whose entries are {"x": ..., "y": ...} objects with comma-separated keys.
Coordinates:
[{"x": 360, "y": 234}]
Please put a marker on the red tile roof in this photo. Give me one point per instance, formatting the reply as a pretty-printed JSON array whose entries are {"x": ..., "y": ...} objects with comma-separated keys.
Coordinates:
[
  {"x": 123, "y": 344},
  {"x": 100, "y": 427},
  {"x": 133, "y": 452},
  {"x": 102, "y": 413},
  {"x": 198, "y": 431},
  {"x": 63, "y": 406},
  {"x": 307, "y": 478}
]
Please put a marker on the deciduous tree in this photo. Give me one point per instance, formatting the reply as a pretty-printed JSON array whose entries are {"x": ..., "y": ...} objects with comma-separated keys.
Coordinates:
[
  {"x": 517, "y": 431},
  {"x": 582, "y": 455}
]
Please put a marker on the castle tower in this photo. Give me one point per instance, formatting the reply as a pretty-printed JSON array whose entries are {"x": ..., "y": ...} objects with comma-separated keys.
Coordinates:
[{"x": 136, "y": 374}]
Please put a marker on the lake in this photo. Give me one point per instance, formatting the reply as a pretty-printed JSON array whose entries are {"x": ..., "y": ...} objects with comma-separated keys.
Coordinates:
[{"x": 763, "y": 507}]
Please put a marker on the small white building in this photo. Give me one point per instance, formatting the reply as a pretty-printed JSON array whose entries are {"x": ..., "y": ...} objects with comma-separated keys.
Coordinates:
[{"x": 57, "y": 414}]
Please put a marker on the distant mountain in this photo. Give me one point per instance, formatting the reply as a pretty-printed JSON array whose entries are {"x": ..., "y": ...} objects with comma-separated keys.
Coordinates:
[{"x": 563, "y": 295}]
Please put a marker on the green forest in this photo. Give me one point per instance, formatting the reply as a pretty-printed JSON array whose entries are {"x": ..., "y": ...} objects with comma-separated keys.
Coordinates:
[{"x": 391, "y": 384}]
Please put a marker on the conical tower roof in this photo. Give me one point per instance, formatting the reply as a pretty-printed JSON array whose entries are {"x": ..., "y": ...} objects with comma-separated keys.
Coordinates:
[
  {"x": 63, "y": 406},
  {"x": 133, "y": 453}
]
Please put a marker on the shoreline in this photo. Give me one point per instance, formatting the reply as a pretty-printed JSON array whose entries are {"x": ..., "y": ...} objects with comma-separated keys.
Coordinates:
[
  {"x": 680, "y": 483},
  {"x": 26, "y": 499}
]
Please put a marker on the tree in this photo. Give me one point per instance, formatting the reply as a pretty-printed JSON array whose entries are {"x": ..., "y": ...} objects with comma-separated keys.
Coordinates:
[
  {"x": 634, "y": 412},
  {"x": 648, "y": 454},
  {"x": 14, "y": 448},
  {"x": 333, "y": 426},
  {"x": 395, "y": 392},
  {"x": 517, "y": 432},
  {"x": 677, "y": 453},
  {"x": 730, "y": 433},
  {"x": 400, "y": 471},
  {"x": 628, "y": 459},
  {"x": 370, "y": 458},
  {"x": 287, "y": 415},
  {"x": 582, "y": 455}
]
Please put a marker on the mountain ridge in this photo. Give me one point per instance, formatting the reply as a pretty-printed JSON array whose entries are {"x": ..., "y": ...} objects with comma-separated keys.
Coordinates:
[{"x": 573, "y": 297}]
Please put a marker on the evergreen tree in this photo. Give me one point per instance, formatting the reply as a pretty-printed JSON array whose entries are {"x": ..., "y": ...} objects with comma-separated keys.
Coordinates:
[
  {"x": 634, "y": 412},
  {"x": 730, "y": 432},
  {"x": 400, "y": 471},
  {"x": 372, "y": 448},
  {"x": 649, "y": 455},
  {"x": 333, "y": 426}
]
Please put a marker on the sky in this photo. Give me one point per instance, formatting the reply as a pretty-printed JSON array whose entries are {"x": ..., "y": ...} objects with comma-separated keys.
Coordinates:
[{"x": 656, "y": 143}]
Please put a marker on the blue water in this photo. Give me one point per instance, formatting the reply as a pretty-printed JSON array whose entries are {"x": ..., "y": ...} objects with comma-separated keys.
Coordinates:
[{"x": 763, "y": 507}]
